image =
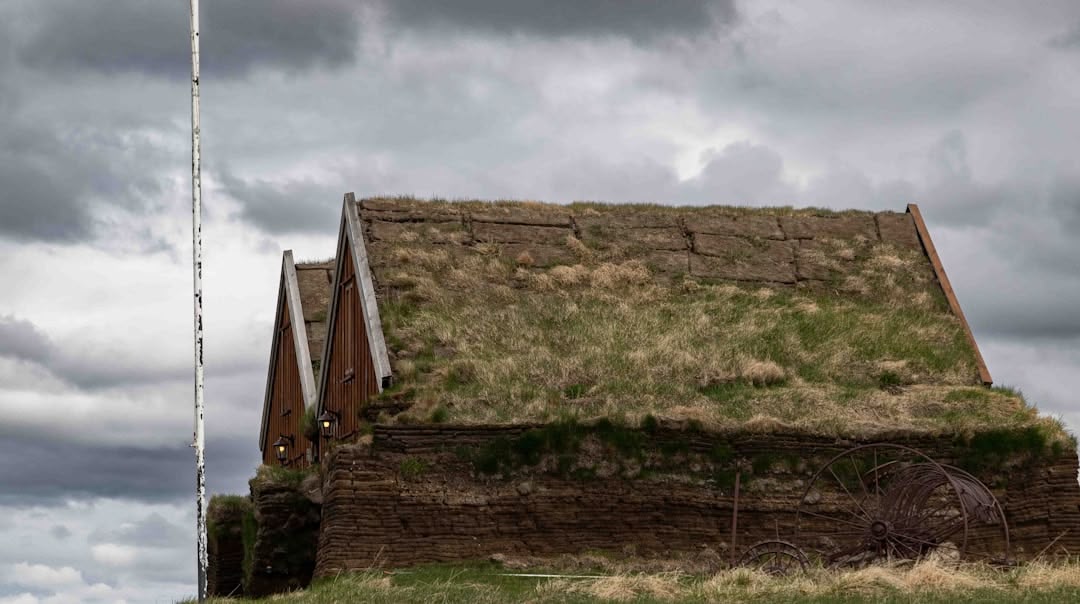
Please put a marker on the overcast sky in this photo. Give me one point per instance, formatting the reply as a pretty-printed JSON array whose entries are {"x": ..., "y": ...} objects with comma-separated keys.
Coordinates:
[{"x": 967, "y": 108}]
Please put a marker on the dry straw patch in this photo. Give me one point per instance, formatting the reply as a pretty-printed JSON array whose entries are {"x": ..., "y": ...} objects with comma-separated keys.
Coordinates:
[{"x": 621, "y": 587}]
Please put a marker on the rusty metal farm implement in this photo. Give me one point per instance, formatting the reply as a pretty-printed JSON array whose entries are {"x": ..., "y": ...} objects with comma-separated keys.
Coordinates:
[{"x": 885, "y": 502}]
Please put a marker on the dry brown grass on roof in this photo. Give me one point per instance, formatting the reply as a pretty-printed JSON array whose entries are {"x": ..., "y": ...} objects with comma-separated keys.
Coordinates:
[{"x": 483, "y": 339}]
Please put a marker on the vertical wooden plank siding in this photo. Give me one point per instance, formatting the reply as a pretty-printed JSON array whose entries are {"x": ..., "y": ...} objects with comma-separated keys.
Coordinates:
[
  {"x": 946, "y": 286},
  {"x": 287, "y": 399},
  {"x": 350, "y": 381}
]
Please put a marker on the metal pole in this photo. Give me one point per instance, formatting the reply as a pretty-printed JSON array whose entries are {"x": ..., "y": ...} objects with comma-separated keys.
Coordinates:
[{"x": 196, "y": 261}]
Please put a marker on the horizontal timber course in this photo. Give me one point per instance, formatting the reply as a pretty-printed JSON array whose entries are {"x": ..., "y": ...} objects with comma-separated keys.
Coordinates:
[{"x": 418, "y": 494}]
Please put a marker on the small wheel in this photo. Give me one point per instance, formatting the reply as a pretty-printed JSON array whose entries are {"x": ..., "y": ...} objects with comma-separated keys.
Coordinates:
[{"x": 775, "y": 558}]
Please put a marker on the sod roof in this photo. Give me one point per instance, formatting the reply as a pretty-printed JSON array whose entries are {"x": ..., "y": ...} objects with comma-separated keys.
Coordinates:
[
  {"x": 805, "y": 319},
  {"x": 315, "y": 280}
]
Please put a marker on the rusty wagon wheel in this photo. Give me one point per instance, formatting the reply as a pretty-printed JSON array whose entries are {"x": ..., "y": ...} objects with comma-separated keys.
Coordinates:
[
  {"x": 888, "y": 501},
  {"x": 988, "y": 530},
  {"x": 775, "y": 557}
]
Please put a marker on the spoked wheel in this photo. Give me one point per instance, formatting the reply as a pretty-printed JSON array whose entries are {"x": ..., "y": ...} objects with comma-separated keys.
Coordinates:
[
  {"x": 887, "y": 501},
  {"x": 776, "y": 558}
]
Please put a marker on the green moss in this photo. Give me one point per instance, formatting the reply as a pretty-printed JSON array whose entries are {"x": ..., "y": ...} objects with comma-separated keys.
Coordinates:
[
  {"x": 282, "y": 475},
  {"x": 249, "y": 530},
  {"x": 413, "y": 467},
  {"x": 223, "y": 511},
  {"x": 889, "y": 379},
  {"x": 721, "y": 453},
  {"x": 724, "y": 478},
  {"x": 561, "y": 439},
  {"x": 489, "y": 459},
  {"x": 989, "y": 449},
  {"x": 968, "y": 395},
  {"x": 440, "y": 414},
  {"x": 309, "y": 427},
  {"x": 650, "y": 424},
  {"x": 628, "y": 442},
  {"x": 575, "y": 391}
]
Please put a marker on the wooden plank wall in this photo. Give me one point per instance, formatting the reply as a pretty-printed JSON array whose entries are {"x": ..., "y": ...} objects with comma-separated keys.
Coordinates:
[
  {"x": 351, "y": 381},
  {"x": 287, "y": 398}
]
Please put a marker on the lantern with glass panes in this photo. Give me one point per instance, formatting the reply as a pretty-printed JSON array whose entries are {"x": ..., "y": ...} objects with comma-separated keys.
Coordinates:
[
  {"x": 281, "y": 448},
  {"x": 326, "y": 423}
]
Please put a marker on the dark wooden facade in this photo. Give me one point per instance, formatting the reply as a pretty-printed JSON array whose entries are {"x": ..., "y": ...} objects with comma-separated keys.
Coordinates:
[
  {"x": 286, "y": 397},
  {"x": 349, "y": 379},
  {"x": 299, "y": 337}
]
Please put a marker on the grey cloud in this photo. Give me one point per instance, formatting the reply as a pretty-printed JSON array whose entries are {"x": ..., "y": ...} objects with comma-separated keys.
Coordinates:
[
  {"x": 52, "y": 173},
  {"x": 744, "y": 174},
  {"x": 585, "y": 178},
  {"x": 297, "y": 206},
  {"x": 115, "y": 36},
  {"x": 60, "y": 532},
  {"x": 152, "y": 531},
  {"x": 22, "y": 339},
  {"x": 37, "y": 471},
  {"x": 1069, "y": 40},
  {"x": 1065, "y": 199},
  {"x": 953, "y": 191},
  {"x": 639, "y": 20}
]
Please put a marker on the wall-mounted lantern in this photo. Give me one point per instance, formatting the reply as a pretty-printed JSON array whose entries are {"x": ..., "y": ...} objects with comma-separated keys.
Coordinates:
[
  {"x": 281, "y": 448},
  {"x": 326, "y": 423}
]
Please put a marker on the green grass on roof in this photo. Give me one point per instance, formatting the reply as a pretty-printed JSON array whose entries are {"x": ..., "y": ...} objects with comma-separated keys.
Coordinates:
[{"x": 477, "y": 338}]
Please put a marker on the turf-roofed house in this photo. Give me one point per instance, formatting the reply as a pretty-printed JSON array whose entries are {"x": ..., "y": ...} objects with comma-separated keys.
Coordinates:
[{"x": 532, "y": 379}]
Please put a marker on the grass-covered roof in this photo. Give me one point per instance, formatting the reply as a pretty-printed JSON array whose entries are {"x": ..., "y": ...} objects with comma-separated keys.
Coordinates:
[
  {"x": 314, "y": 280},
  {"x": 829, "y": 322}
]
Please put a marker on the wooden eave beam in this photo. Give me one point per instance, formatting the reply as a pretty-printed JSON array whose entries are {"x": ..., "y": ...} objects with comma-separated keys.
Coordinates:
[{"x": 946, "y": 286}]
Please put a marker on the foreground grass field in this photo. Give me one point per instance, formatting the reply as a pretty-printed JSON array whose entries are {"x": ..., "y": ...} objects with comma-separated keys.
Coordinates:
[{"x": 925, "y": 582}]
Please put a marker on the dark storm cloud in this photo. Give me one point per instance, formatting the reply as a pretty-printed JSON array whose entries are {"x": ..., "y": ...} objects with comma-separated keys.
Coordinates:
[
  {"x": 150, "y": 37},
  {"x": 53, "y": 173},
  {"x": 639, "y": 20},
  {"x": 39, "y": 471},
  {"x": 297, "y": 206}
]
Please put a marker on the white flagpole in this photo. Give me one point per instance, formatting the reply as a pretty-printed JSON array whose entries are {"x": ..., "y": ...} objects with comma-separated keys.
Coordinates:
[{"x": 196, "y": 260}]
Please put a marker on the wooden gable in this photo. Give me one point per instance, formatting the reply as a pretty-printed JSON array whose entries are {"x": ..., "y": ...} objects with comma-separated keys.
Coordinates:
[
  {"x": 290, "y": 385},
  {"x": 354, "y": 364}
]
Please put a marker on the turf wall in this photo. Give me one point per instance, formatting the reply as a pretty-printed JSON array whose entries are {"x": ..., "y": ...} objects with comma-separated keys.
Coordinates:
[{"x": 419, "y": 494}]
